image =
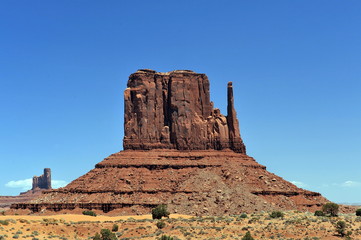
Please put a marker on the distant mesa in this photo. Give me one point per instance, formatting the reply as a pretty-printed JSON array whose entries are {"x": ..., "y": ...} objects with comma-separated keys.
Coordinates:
[{"x": 178, "y": 150}]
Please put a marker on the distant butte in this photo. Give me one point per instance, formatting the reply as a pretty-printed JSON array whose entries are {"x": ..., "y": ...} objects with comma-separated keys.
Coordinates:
[
  {"x": 40, "y": 183},
  {"x": 43, "y": 181},
  {"x": 181, "y": 151}
]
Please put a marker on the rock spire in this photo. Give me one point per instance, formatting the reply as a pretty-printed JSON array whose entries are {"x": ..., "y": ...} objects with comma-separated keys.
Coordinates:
[{"x": 173, "y": 111}]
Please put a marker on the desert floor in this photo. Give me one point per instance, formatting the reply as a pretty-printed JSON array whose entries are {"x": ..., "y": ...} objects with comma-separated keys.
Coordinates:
[{"x": 294, "y": 225}]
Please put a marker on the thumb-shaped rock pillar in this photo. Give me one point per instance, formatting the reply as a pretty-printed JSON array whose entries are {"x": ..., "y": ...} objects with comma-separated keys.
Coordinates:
[{"x": 235, "y": 140}]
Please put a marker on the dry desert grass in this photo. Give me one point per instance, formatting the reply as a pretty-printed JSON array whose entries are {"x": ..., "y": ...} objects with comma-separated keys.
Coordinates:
[{"x": 294, "y": 225}]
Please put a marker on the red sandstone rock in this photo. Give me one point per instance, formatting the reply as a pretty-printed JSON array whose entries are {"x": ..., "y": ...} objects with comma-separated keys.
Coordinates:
[
  {"x": 222, "y": 181},
  {"x": 6, "y": 201},
  {"x": 181, "y": 152},
  {"x": 173, "y": 110}
]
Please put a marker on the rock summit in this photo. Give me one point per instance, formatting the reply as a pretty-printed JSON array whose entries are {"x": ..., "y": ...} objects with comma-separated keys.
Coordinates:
[{"x": 173, "y": 111}]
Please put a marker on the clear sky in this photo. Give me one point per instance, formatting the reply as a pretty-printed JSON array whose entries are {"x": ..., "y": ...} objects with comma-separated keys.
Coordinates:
[{"x": 295, "y": 67}]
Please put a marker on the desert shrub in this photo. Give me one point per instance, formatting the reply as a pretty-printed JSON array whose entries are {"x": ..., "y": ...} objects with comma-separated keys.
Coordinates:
[
  {"x": 276, "y": 214},
  {"x": 165, "y": 237},
  {"x": 243, "y": 215},
  {"x": 160, "y": 224},
  {"x": 341, "y": 228},
  {"x": 97, "y": 237},
  {"x": 247, "y": 236},
  {"x": 319, "y": 213},
  {"x": 115, "y": 228},
  {"x": 331, "y": 209},
  {"x": 160, "y": 211},
  {"x": 106, "y": 234},
  {"x": 16, "y": 236},
  {"x": 4, "y": 222},
  {"x": 90, "y": 213},
  {"x": 358, "y": 212}
]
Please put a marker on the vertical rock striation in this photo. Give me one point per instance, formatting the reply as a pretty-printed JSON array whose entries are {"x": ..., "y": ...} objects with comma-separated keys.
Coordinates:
[{"x": 173, "y": 111}]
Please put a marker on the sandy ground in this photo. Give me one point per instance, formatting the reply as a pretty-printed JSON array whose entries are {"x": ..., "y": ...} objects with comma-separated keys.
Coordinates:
[{"x": 294, "y": 225}]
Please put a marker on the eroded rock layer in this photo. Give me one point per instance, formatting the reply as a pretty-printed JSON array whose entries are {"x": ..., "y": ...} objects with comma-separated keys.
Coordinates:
[
  {"x": 173, "y": 111},
  {"x": 193, "y": 182},
  {"x": 6, "y": 201}
]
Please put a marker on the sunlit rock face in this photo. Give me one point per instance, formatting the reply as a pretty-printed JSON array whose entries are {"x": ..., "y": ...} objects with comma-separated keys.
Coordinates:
[{"x": 173, "y": 111}]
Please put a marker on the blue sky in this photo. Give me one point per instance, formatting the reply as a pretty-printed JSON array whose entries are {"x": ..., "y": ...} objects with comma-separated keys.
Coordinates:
[{"x": 295, "y": 67}]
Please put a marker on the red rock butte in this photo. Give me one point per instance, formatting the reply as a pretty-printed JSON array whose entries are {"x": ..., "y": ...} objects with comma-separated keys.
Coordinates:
[
  {"x": 181, "y": 151},
  {"x": 173, "y": 111}
]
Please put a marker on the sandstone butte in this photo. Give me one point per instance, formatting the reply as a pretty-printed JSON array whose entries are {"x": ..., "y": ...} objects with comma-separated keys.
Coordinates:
[
  {"x": 181, "y": 151},
  {"x": 39, "y": 184}
]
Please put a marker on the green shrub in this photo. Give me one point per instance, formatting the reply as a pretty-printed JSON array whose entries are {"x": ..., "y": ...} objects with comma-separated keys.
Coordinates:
[
  {"x": 331, "y": 209},
  {"x": 247, "y": 236},
  {"x": 243, "y": 215},
  {"x": 276, "y": 214},
  {"x": 160, "y": 211},
  {"x": 319, "y": 213},
  {"x": 341, "y": 228},
  {"x": 115, "y": 228},
  {"x": 97, "y": 237},
  {"x": 90, "y": 213},
  {"x": 4, "y": 222},
  {"x": 165, "y": 237},
  {"x": 107, "y": 235},
  {"x": 160, "y": 224},
  {"x": 358, "y": 212}
]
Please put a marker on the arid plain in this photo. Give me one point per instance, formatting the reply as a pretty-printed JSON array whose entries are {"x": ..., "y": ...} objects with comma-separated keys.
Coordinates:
[{"x": 294, "y": 225}]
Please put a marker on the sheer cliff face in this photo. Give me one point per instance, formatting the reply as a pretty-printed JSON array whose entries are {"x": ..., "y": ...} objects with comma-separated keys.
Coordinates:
[{"x": 173, "y": 110}]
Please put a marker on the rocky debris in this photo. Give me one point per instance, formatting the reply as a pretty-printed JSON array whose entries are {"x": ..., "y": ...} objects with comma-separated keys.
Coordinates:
[
  {"x": 173, "y": 111},
  {"x": 133, "y": 182}
]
